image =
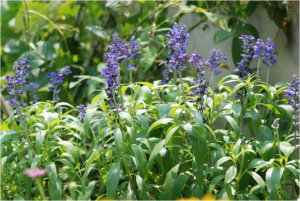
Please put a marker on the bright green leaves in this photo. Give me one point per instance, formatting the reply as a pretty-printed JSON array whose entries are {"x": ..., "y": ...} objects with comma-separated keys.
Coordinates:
[
  {"x": 264, "y": 133},
  {"x": 113, "y": 178},
  {"x": 273, "y": 177},
  {"x": 230, "y": 174}
]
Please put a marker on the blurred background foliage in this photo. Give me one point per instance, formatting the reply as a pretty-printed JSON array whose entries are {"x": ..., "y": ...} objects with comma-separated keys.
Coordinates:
[{"x": 53, "y": 34}]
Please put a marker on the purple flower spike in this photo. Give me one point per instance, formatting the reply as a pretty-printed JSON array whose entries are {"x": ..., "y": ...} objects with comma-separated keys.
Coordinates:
[
  {"x": 133, "y": 51},
  {"x": 35, "y": 172},
  {"x": 247, "y": 54},
  {"x": 18, "y": 84},
  {"x": 214, "y": 60},
  {"x": 265, "y": 51},
  {"x": 177, "y": 53},
  {"x": 82, "y": 112},
  {"x": 57, "y": 79},
  {"x": 202, "y": 88}
]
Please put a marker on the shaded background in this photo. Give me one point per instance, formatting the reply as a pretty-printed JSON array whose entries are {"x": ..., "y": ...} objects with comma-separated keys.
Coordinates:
[{"x": 76, "y": 33}]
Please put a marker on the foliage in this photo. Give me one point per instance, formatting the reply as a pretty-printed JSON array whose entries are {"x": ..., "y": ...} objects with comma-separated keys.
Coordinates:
[
  {"x": 76, "y": 33},
  {"x": 158, "y": 147}
]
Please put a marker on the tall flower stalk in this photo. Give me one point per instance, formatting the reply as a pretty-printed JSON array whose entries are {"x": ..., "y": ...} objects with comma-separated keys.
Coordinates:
[
  {"x": 265, "y": 52},
  {"x": 177, "y": 54},
  {"x": 111, "y": 71},
  {"x": 247, "y": 54},
  {"x": 56, "y": 80},
  {"x": 202, "y": 89},
  {"x": 214, "y": 64},
  {"x": 17, "y": 85},
  {"x": 294, "y": 101}
]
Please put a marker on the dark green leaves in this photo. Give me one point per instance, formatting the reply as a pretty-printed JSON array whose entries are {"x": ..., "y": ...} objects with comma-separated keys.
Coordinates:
[{"x": 148, "y": 56}]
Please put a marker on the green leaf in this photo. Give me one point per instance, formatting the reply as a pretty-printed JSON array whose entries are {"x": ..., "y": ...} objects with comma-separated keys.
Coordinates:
[
  {"x": 233, "y": 123},
  {"x": 141, "y": 160},
  {"x": 98, "y": 31},
  {"x": 35, "y": 59},
  {"x": 179, "y": 183},
  {"x": 55, "y": 186},
  {"x": 273, "y": 177},
  {"x": 148, "y": 56},
  {"x": 8, "y": 135},
  {"x": 170, "y": 134},
  {"x": 159, "y": 123},
  {"x": 46, "y": 50},
  {"x": 118, "y": 138},
  {"x": 85, "y": 176},
  {"x": 230, "y": 174},
  {"x": 286, "y": 148},
  {"x": 113, "y": 177},
  {"x": 157, "y": 148},
  {"x": 264, "y": 133},
  {"x": 39, "y": 140},
  {"x": 169, "y": 183},
  {"x": 222, "y": 35},
  {"x": 223, "y": 160},
  {"x": 71, "y": 150},
  {"x": 214, "y": 182},
  {"x": 257, "y": 178}
]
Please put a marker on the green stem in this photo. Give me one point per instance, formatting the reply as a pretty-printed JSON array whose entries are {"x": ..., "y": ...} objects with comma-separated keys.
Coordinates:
[
  {"x": 175, "y": 77},
  {"x": 130, "y": 78},
  {"x": 241, "y": 169},
  {"x": 115, "y": 101},
  {"x": 182, "y": 87},
  {"x": 258, "y": 66},
  {"x": 268, "y": 73},
  {"x": 213, "y": 96},
  {"x": 120, "y": 90},
  {"x": 40, "y": 187},
  {"x": 277, "y": 135}
]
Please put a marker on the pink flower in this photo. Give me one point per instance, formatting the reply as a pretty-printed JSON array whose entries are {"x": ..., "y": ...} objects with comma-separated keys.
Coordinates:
[{"x": 35, "y": 172}]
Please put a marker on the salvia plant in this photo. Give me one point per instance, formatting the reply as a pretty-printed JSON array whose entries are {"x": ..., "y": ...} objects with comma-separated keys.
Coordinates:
[{"x": 236, "y": 139}]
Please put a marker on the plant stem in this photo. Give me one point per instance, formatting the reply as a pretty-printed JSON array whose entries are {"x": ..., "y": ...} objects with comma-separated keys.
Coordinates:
[
  {"x": 40, "y": 187},
  {"x": 115, "y": 101},
  {"x": 130, "y": 78},
  {"x": 295, "y": 133},
  {"x": 258, "y": 66},
  {"x": 175, "y": 77},
  {"x": 268, "y": 73},
  {"x": 182, "y": 87},
  {"x": 277, "y": 135},
  {"x": 213, "y": 96},
  {"x": 120, "y": 89}
]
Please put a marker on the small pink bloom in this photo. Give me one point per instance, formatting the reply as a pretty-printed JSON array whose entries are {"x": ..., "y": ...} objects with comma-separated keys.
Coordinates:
[{"x": 35, "y": 172}]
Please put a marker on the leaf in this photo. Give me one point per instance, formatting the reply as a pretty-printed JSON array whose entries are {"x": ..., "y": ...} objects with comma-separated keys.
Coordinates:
[
  {"x": 148, "y": 56},
  {"x": 222, "y": 35},
  {"x": 170, "y": 134},
  {"x": 35, "y": 59},
  {"x": 8, "y": 135},
  {"x": 159, "y": 123},
  {"x": 257, "y": 178},
  {"x": 113, "y": 177},
  {"x": 233, "y": 123},
  {"x": 230, "y": 174},
  {"x": 264, "y": 133},
  {"x": 179, "y": 183},
  {"x": 98, "y": 31},
  {"x": 55, "y": 185},
  {"x": 141, "y": 160},
  {"x": 126, "y": 116},
  {"x": 273, "y": 177},
  {"x": 46, "y": 50},
  {"x": 223, "y": 160},
  {"x": 85, "y": 176},
  {"x": 118, "y": 138},
  {"x": 214, "y": 182},
  {"x": 39, "y": 140},
  {"x": 169, "y": 183},
  {"x": 71, "y": 150},
  {"x": 286, "y": 148},
  {"x": 157, "y": 148}
]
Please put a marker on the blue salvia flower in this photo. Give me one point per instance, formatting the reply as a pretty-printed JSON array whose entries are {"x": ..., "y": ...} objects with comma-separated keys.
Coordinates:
[
  {"x": 294, "y": 101},
  {"x": 132, "y": 53},
  {"x": 82, "y": 112},
  {"x": 247, "y": 54},
  {"x": 17, "y": 84},
  {"x": 32, "y": 88},
  {"x": 56, "y": 80},
  {"x": 115, "y": 55},
  {"x": 202, "y": 88},
  {"x": 214, "y": 60},
  {"x": 265, "y": 51},
  {"x": 177, "y": 50}
]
